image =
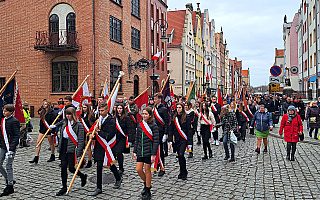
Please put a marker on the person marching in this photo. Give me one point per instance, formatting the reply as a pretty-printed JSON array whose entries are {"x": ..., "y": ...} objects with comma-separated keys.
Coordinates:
[
  {"x": 104, "y": 149},
  {"x": 216, "y": 110},
  {"x": 47, "y": 116},
  {"x": 206, "y": 124},
  {"x": 180, "y": 129},
  {"x": 132, "y": 111},
  {"x": 96, "y": 112},
  {"x": 194, "y": 122},
  {"x": 242, "y": 117},
  {"x": 87, "y": 119},
  {"x": 145, "y": 149},
  {"x": 124, "y": 134},
  {"x": 264, "y": 123},
  {"x": 9, "y": 141},
  {"x": 292, "y": 127},
  {"x": 197, "y": 112},
  {"x": 162, "y": 120},
  {"x": 251, "y": 111},
  {"x": 70, "y": 148}
]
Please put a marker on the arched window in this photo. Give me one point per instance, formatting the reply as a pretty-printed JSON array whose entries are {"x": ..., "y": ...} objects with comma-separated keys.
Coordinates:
[
  {"x": 115, "y": 68},
  {"x": 136, "y": 86},
  {"x": 54, "y": 29},
  {"x": 71, "y": 22},
  {"x": 64, "y": 74}
]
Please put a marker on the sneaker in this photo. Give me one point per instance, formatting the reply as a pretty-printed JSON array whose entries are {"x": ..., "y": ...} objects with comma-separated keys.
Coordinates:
[
  {"x": 226, "y": 158},
  {"x": 7, "y": 191},
  {"x": 205, "y": 157},
  {"x": 117, "y": 184},
  {"x": 232, "y": 160},
  {"x": 217, "y": 143},
  {"x": 96, "y": 192}
]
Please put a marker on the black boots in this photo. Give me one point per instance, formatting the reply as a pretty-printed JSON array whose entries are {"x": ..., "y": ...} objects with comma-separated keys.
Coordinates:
[
  {"x": 62, "y": 191},
  {"x": 52, "y": 158},
  {"x": 23, "y": 144},
  {"x": 257, "y": 150},
  {"x": 190, "y": 155},
  {"x": 210, "y": 153},
  {"x": 84, "y": 180},
  {"x": 35, "y": 160},
  {"x": 161, "y": 173},
  {"x": 147, "y": 194},
  {"x": 7, "y": 191},
  {"x": 89, "y": 164}
]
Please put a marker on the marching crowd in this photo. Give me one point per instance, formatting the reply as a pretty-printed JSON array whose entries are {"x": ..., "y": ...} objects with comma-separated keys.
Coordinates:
[{"x": 117, "y": 129}]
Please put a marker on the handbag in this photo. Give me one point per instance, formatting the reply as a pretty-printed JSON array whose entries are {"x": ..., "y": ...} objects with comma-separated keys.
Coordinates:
[
  {"x": 301, "y": 137},
  {"x": 313, "y": 120},
  {"x": 233, "y": 138}
]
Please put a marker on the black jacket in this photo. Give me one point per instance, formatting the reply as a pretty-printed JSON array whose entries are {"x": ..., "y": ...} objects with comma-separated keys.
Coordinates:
[
  {"x": 163, "y": 112},
  {"x": 186, "y": 128},
  {"x": 217, "y": 113},
  {"x": 49, "y": 117},
  {"x": 86, "y": 119},
  {"x": 269, "y": 105},
  {"x": 286, "y": 105},
  {"x": 107, "y": 131},
  {"x": 144, "y": 146},
  {"x": 253, "y": 111},
  {"x": 240, "y": 117},
  {"x": 194, "y": 121},
  {"x": 127, "y": 128},
  {"x": 13, "y": 133}
]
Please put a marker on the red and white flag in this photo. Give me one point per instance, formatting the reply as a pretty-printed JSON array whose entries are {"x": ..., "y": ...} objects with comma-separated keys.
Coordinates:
[
  {"x": 172, "y": 97},
  {"x": 164, "y": 57},
  {"x": 156, "y": 56},
  {"x": 142, "y": 103},
  {"x": 18, "y": 113},
  {"x": 82, "y": 97},
  {"x": 113, "y": 98},
  {"x": 105, "y": 91}
]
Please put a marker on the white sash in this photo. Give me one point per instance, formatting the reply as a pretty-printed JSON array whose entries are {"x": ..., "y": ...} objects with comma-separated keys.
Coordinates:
[
  {"x": 72, "y": 135},
  {"x": 86, "y": 129},
  {"x": 46, "y": 124},
  {"x": 119, "y": 128},
  {"x": 157, "y": 115},
  {"x": 176, "y": 121},
  {"x": 4, "y": 133},
  {"x": 249, "y": 111}
]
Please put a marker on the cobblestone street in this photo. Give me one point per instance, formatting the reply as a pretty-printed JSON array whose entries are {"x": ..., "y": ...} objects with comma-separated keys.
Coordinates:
[{"x": 265, "y": 176}]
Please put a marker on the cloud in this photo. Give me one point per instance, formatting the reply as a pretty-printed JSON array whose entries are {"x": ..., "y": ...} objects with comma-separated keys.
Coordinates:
[{"x": 252, "y": 28}]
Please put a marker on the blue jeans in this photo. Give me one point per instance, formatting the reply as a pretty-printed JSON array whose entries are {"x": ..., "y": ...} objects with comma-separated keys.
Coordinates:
[
  {"x": 8, "y": 172},
  {"x": 225, "y": 145}
]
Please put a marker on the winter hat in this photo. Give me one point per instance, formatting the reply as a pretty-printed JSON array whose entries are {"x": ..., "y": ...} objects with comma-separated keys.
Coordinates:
[{"x": 292, "y": 108}]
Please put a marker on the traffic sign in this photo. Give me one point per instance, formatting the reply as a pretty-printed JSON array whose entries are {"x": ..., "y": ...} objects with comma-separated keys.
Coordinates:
[
  {"x": 275, "y": 70},
  {"x": 275, "y": 87},
  {"x": 274, "y": 79},
  {"x": 294, "y": 69}
]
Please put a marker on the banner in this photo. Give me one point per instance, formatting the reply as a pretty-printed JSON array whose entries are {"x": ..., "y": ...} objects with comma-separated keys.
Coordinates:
[
  {"x": 142, "y": 102},
  {"x": 82, "y": 97},
  {"x": 167, "y": 100}
]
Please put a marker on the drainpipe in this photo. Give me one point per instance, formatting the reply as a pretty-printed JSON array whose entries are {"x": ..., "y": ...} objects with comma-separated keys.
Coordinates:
[
  {"x": 94, "y": 48},
  {"x": 308, "y": 66},
  {"x": 316, "y": 36}
]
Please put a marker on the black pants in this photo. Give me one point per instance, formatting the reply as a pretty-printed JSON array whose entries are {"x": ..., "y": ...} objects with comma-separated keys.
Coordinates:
[
  {"x": 113, "y": 168},
  {"x": 315, "y": 132},
  {"x": 215, "y": 134},
  {"x": 243, "y": 129},
  {"x": 291, "y": 146},
  {"x": 121, "y": 145},
  {"x": 165, "y": 148},
  {"x": 205, "y": 133},
  {"x": 161, "y": 153}
]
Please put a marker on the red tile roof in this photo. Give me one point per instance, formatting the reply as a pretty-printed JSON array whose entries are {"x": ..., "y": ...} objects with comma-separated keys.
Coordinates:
[
  {"x": 245, "y": 73},
  {"x": 176, "y": 20},
  {"x": 279, "y": 52}
]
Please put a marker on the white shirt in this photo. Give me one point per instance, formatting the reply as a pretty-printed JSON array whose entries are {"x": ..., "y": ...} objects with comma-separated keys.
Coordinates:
[{"x": 65, "y": 134}]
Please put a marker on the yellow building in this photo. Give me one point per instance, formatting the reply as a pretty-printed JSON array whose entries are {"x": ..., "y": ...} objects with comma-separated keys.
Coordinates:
[{"x": 197, "y": 20}]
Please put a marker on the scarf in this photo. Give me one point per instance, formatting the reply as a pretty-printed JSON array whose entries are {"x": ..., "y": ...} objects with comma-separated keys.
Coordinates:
[{"x": 290, "y": 117}]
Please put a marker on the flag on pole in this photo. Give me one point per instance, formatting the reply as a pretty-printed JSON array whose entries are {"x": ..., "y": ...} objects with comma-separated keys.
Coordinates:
[
  {"x": 220, "y": 101},
  {"x": 81, "y": 97},
  {"x": 193, "y": 93},
  {"x": 172, "y": 97},
  {"x": 156, "y": 56},
  {"x": 113, "y": 98},
  {"x": 142, "y": 103},
  {"x": 162, "y": 60},
  {"x": 167, "y": 100},
  {"x": 208, "y": 76},
  {"x": 105, "y": 91}
]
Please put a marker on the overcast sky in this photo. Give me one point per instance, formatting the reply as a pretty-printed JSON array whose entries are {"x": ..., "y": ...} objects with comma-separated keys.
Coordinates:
[{"x": 253, "y": 29}]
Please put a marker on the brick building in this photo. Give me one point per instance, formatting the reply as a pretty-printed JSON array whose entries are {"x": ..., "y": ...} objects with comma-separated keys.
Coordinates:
[
  {"x": 236, "y": 76},
  {"x": 56, "y": 44}
]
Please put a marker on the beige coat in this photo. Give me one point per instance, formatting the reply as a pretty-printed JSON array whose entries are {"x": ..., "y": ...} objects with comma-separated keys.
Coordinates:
[{"x": 201, "y": 121}]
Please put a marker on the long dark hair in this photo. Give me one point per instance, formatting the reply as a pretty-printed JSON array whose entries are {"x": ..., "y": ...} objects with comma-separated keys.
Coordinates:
[
  {"x": 44, "y": 111},
  {"x": 206, "y": 111},
  {"x": 123, "y": 115},
  {"x": 184, "y": 114},
  {"x": 89, "y": 112}
]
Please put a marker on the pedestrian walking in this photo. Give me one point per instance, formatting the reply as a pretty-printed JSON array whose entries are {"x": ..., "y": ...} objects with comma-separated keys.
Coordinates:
[
  {"x": 292, "y": 127},
  {"x": 47, "y": 116},
  {"x": 251, "y": 110},
  {"x": 264, "y": 124},
  {"x": 216, "y": 110},
  {"x": 70, "y": 148},
  {"x": 194, "y": 122},
  {"x": 206, "y": 125},
  {"x": 145, "y": 149},
  {"x": 313, "y": 115},
  {"x": 242, "y": 117},
  {"x": 180, "y": 130},
  {"x": 229, "y": 124}
]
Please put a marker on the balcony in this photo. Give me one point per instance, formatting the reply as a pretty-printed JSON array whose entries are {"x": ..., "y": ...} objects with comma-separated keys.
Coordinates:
[{"x": 62, "y": 40}]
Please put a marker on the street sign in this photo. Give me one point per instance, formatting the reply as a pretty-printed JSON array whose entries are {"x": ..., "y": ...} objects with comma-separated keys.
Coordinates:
[
  {"x": 294, "y": 70},
  {"x": 275, "y": 87},
  {"x": 274, "y": 79},
  {"x": 275, "y": 70}
]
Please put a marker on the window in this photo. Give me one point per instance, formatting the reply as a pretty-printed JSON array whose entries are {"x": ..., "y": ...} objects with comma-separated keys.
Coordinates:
[
  {"x": 315, "y": 60},
  {"x": 64, "y": 76},
  {"x": 187, "y": 40},
  {"x": 314, "y": 11},
  {"x": 71, "y": 22},
  {"x": 186, "y": 74},
  {"x": 190, "y": 75},
  {"x": 2, "y": 82},
  {"x": 310, "y": 61},
  {"x": 310, "y": 39},
  {"x": 115, "y": 68},
  {"x": 168, "y": 57},
  {"x": 314, "y": 35},
  {"x": 115, "y": 29},
  {"x": 193, "y": 60},
  {"x": 135, "y": 38},
  {"x": 186, "y": 56},
  {"x": 135, "y": 7}
]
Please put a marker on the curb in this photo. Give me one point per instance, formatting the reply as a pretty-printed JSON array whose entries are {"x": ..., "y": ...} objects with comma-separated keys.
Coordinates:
[{"x": 305, "y": 141}]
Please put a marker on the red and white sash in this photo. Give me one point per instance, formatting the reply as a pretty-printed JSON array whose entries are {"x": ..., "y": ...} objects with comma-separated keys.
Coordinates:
[
  {"x": 245, "y": 115},
  {"x": 71, "y": 134},
  {"x": 55, "y": 139},
  {"x": 46, "y": 124},
  {"x": 214, "y": 109},
  {"x": 146, "y": 129},
  {"x": 157, "y": 115},
  {"x": 157, "y": 160},
  {"x": 4, "y": 133},
  {"x": 121, "y": 131},
  {"x": 249, "y": 111},
  {"x": 109, "y": 158},
  {"x": 183, "y": 135},
  {"x": 86, "y": 128},
  {"x": 206, "y": 121},
  {"x": 132, "y": 117}
]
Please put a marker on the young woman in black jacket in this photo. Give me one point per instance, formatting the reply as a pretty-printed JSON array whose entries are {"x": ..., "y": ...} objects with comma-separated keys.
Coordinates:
[
  {"x": 124, "y": 134},
  {"x": 251, "y": 111},
  {"x": 242, "y": 118},
  {"x": 47, "y": 116},
  {"x": 194, "y": 122},
  {"x": 145, "y": 149},
  {"x": 87, "y": 119},
  {"x": 180, "y": 128}
]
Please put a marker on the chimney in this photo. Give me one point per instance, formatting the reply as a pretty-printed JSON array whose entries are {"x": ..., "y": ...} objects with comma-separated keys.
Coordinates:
[{"x": 189, "y": 5}]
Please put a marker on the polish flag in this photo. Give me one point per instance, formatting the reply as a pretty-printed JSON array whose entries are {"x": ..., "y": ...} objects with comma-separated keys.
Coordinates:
[
  {"x": 142, "y": 103},
  {"x": 162, "y": 60},
  {"x": 105, "y": 92},
  {"x": 208, "y": 76},
  {"x": 155, "y": 57},
  {"x": 82, "y": 97},
  {"x": 18, "y": 113},
  {"x": 113, "y": 98}
]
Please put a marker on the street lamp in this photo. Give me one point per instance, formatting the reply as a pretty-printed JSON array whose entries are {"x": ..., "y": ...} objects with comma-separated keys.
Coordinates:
[{"x": 163, "y": 24}]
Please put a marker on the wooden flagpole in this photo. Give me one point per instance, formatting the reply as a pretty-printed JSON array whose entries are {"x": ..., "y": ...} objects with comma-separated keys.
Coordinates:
[
  {"x": 142, "y": 93},
  {"x": 74, "y": 94},
  {"x": 165, "y": 83},
  {"x": 8, "y": 81},
  {"x": 121, "y": 73},
  {"x": 105, "y": 83},
  {"x": 190, "y": 90}
]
